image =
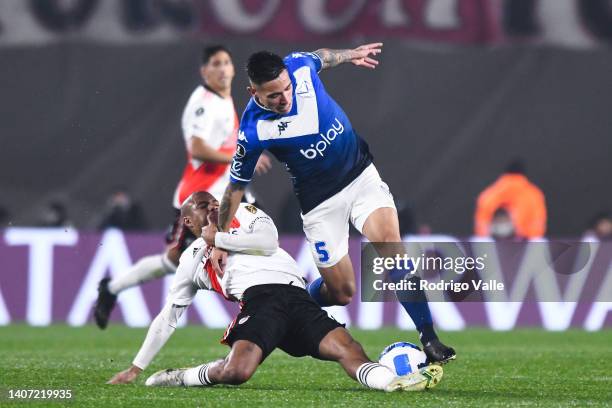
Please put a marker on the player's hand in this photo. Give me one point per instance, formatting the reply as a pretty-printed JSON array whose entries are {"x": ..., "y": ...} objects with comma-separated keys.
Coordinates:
[
  {"x": 126, "y": 376},
  {"x": 218, "y": 259},
  {"x": 264, "y": 164},
  {"x": 210, "y": 231},
  {"x": 362, "y": 55}
]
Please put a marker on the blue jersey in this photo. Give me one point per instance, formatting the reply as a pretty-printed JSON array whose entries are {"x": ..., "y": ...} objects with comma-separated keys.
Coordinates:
[{"x": 315, "y": 140}]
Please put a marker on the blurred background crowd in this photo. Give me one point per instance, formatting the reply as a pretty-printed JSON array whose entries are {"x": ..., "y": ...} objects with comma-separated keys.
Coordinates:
[{"x": 484, "y": 117}]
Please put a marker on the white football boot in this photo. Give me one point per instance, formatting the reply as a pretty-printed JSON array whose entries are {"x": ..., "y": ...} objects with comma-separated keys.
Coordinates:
[
  {"x": 171, "y": 377},
  {"x": 427, "y": 378}
]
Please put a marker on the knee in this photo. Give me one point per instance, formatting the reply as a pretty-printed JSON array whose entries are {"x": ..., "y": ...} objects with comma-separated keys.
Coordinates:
[
  {"x": 344, "y": 295},
  {"x": 390, "y": 235},
  {"x": 236, "y": 375}
]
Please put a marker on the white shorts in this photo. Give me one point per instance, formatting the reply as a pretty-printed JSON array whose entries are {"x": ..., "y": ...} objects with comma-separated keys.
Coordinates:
[{"x": 327, "y": 225}]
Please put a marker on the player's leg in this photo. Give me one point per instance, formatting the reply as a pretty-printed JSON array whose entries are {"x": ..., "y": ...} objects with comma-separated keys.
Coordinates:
[
  {"x": 144, "y": 270},
  {"x": 336, "y": 286},
  {"x": 326, "y": 229},
  {"x": 338, "y": 345},
  {"x": 240, "y": 365},
  {"x": 312, "y": 332},
  {"x": 261, "y": 324},
  {"x": 374, "y": 215}
]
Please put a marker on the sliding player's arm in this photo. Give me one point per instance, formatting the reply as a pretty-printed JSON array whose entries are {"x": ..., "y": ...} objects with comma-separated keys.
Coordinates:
[
  {"x": 159, "y": 332},
  {"x": 361, "y": 56},
  {"x": 180, "y": 297}
]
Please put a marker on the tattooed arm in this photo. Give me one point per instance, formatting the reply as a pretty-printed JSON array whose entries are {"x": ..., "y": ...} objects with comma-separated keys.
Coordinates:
[
  {"x": 229, "y": 204},
  {"x": 360, "y": 56}
]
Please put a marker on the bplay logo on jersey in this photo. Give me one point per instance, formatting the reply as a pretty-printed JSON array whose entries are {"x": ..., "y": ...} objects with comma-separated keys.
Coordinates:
[{"x": 318, "y": 149}]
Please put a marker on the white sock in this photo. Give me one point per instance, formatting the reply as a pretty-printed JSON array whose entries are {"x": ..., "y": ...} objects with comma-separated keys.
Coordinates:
[
  {"x": 146, "y": 269},
  {"x": 197, "y": 376},
  {"x": 374, "y": 375}
]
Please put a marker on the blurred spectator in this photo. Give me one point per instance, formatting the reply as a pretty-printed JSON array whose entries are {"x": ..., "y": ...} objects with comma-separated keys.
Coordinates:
[
  {"x": 600, "y": 226},
  {"x": 501, "y": 225},
  {"x": 54, "y": 214},
  {"x": 522, "y": 200},
  {"x": 122, "y": 212}
]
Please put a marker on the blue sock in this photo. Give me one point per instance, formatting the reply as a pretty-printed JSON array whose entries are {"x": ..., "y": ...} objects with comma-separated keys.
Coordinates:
[
  {"x": 314, "y": 290},
  {"x": 421, "y": 316},
  {"x": 417, "y": 307}
]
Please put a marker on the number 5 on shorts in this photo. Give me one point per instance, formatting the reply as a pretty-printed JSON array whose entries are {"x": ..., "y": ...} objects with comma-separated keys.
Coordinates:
[{"x": 323, "y": 254}]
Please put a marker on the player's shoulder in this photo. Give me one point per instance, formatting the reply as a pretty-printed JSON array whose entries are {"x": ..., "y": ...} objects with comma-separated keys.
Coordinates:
[
  {"x": 200, "y": 100},
  {"x": 300, "y": 59},
  {"x": 193, "y": 252},
  {"x": 247, "y": 214},
  {"x": 253, "y": 113}
]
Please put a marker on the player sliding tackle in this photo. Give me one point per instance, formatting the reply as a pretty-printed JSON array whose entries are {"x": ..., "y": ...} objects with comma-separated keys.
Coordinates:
[
  {"x": 276, "y": 311},
  {"x": 292, "y": 116}
]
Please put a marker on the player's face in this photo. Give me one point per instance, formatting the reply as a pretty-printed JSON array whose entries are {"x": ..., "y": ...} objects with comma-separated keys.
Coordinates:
[
  {"x": 204, "y": 206},
  {"x": 276, "y": 95},
  {"x": 218, "y": 73}
]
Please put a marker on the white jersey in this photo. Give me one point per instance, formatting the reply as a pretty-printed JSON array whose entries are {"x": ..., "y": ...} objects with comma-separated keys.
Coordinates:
[
  {"x": 259, "y": 262},
  {"x": 213, "y": 119}
]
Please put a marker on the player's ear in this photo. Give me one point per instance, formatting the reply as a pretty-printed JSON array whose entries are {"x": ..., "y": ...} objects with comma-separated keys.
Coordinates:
[{"x": 251, "y": 90}]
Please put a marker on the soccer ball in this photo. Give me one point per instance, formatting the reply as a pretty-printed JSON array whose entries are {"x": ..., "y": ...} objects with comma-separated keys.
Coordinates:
[{"x": 403, "y": 358}]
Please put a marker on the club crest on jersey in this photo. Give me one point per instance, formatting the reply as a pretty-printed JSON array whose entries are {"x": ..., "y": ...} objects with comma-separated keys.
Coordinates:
[
  {"x": 318, "y": 148},
  {"x": 240, "y": 151},
  {"x": 250, "y": 208}
]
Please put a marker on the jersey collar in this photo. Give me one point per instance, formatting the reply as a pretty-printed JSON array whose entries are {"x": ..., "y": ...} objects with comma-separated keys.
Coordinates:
[{"x": 259, "y": 104}]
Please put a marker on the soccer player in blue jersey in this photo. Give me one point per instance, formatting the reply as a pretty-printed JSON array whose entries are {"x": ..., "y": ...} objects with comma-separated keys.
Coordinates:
[{"x": 291, "y": 115}]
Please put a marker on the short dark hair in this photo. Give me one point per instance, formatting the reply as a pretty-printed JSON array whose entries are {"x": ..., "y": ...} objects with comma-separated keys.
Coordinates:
[
  {"x": 264, "y": 66},
  {"x": 211, "y": 50}
]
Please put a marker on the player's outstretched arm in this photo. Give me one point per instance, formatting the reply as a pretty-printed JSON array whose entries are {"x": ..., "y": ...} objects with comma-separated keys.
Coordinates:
[
  {"x": 159, "y": 332},
  {"x": 361, "y": 56},
  {"x": 260, "y": 239},
  {"x": 227, "y": 209},
  {"x": 229, "y": 204}
]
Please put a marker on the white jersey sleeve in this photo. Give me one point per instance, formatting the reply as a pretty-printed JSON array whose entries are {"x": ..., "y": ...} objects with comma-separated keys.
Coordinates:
[
  {"x": 256, "y": 235},
  {"x": 188, "y": 278},
  {"x": 159, "y": 332}
]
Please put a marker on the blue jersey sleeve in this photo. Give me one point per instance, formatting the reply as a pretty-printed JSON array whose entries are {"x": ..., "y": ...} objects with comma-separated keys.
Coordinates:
[
  {"x": 247, "y": 153},
  {"x": 300, "y": 59}
]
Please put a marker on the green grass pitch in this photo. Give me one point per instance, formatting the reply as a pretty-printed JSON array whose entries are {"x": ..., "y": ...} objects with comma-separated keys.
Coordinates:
[{"x": 517, "y": 368}]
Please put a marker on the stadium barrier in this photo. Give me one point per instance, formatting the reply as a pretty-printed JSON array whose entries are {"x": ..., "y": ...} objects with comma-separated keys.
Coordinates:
[{"x": 51, "y": 275}]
